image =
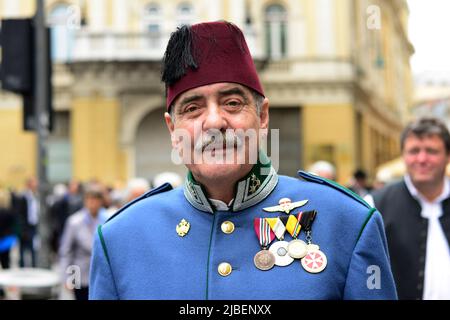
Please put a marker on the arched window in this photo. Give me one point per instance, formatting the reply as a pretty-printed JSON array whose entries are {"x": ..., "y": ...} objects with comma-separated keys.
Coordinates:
[
  {"x": 62, "y": 34},
  {"x": 276, "y": 31},
  {"x": 185, "y": 14}
]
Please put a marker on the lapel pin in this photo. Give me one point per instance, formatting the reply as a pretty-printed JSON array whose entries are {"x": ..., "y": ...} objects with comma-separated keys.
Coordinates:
[{"x": 183, "y": 228}]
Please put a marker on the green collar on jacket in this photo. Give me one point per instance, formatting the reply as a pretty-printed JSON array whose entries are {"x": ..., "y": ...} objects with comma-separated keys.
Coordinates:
[{"x": 250, "y": 190}]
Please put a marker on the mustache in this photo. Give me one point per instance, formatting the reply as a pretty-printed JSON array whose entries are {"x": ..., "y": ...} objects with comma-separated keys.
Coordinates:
[{"x": 218, "y": 140}]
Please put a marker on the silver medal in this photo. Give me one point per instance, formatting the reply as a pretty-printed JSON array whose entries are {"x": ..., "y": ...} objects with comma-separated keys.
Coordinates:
[
  {"x": 280, "y": 251},
  {"x": 297, "y": 249}
]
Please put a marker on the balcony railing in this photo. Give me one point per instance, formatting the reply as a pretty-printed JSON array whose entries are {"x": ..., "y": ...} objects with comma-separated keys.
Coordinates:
[
  {"x": 94, "y": 46},
  {"x": 110, "y": 46}
]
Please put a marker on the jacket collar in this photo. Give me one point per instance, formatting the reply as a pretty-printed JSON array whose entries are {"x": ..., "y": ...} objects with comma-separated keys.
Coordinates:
[
  {"x": 250, "y": 190},
  {"x": 445, "y": 194}
]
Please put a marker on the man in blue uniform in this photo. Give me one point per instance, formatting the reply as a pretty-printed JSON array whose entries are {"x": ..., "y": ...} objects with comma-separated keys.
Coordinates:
[{"x": 235, "y": 229}]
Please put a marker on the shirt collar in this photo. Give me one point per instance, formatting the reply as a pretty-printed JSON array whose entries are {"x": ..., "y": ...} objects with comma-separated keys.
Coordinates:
[
  {"x": 250, "y": 190},
  {"x": 416, "y": 194},
  {"x": 100, "y": 219}
]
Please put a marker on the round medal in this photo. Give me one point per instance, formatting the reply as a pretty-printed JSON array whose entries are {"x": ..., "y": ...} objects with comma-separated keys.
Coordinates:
[
  {"x": 314, "y": 261},
  {"x": 264, "y": 260},
  {"x": 280, "y": 251},
  {"x": 297, "y": 249}
]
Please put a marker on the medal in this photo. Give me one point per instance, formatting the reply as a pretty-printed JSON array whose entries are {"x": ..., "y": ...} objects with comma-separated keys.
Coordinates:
[
  {"x": 183, "y": 228},
  {"x": 314, "y": 261},
  {"x": 264, "y": 259},
  {"x": 297, "y": 248},
  {"x": 280, "y": 251},
  {"x": 286, "y": 205}
]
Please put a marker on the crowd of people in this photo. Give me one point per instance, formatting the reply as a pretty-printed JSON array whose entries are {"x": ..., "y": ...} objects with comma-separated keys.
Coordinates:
[{"x": 75, "y": 210}]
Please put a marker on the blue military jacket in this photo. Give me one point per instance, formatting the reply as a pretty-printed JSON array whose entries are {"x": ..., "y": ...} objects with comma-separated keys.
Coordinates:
[{"x": 138, "y": 253}]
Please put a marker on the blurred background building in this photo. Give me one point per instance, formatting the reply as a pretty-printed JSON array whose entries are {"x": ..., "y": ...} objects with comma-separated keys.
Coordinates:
[{"x": 336, "y": 72}]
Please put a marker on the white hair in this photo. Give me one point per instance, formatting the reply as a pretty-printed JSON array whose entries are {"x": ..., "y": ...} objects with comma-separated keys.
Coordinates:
[
  {"x": 171, "y": 177},
  {"x": 324, "y": 169},
  {"x": 138, "y": 183}
]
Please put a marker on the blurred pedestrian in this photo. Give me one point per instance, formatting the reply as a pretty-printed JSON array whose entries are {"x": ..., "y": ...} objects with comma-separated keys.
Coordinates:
[
  {"x": 167, "y": 177},
  {"x": 7, "y": 234},
  {"x": 359, "y": 184},
  {"x": 26, "y": 208},
  {"x": 76, "y": 243},
  {"x": 416, "y": 213},
  {"x": 136, "y": 187},
  {"x": 323, "y": 169},
  {"x": 70, "y": 202}
]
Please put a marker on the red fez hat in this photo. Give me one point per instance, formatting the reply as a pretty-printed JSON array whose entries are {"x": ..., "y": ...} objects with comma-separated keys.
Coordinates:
[{"x": 221, "y": 54}]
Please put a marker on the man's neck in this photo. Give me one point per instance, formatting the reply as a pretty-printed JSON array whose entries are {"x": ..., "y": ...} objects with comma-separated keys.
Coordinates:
[
  {"x": 430, "y": 191},
  {"x": 223, "y": 193},
  {"x": 221, "y": 189}
]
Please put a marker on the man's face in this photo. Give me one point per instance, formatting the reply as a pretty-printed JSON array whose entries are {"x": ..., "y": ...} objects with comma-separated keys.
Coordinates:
[
  {"x": 93, "y": 204},
  {"x": 425, "y": 158},
  {"x": 204, "y": 112}
]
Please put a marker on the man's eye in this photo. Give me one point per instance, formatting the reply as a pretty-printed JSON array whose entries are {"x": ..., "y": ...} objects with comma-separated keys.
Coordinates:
[
  {"x": 432, "y": 151},
  {"x": 191, "y": 108},
  {"x": 233, "y": 103}
]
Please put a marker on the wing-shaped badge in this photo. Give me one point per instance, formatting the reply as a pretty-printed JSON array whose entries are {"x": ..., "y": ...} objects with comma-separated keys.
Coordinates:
[{"x": 286, "y": 205}]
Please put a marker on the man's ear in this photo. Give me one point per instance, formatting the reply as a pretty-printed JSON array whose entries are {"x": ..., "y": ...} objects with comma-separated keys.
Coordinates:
[
  {"x": 171, "y": 127},
  {"x": 264, "y": 114}
]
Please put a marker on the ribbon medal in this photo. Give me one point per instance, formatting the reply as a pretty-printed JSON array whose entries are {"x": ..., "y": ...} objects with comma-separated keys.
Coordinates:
[
  {"x": 297, "y": 248},
  {"x": 264, "y": 259},
  {"x": 315, "y": 260},
  {"x": 280, "y": 248}
]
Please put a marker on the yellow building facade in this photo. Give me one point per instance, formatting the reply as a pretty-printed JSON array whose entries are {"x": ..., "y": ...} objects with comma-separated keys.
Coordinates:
[{"x": 335, "y": 71}]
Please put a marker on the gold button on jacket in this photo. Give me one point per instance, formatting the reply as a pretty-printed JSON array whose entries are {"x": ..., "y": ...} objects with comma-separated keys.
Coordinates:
[
  {"x": 224, "y": 269},
  {"x": 227, "y": 227}
]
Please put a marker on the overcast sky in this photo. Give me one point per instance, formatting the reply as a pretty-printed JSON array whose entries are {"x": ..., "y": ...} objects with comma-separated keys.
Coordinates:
[{"x": 429, "y": 32}]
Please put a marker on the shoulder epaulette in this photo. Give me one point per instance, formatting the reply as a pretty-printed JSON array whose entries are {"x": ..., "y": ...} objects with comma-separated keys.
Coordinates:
[
  {"x": 163, "y": 188},
  {"x": 314, "y": 178}
]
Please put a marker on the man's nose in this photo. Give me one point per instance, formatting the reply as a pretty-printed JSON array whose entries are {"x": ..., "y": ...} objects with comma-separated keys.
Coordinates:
[
  {"x": 214, "y": 118},
  {"x": 422, "y": 156}
]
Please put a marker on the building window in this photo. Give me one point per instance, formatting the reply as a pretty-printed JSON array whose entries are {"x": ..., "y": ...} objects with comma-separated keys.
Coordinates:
[
  {"x": 276, "y": 31},
  {"x": 185, "y": 14},
  {"x": 152, "y": 18},
  {"x": 152, "y": 24}
]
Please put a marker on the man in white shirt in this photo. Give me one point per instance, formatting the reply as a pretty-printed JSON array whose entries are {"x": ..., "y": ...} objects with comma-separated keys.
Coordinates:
[{"x": 416, "y": 213}]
